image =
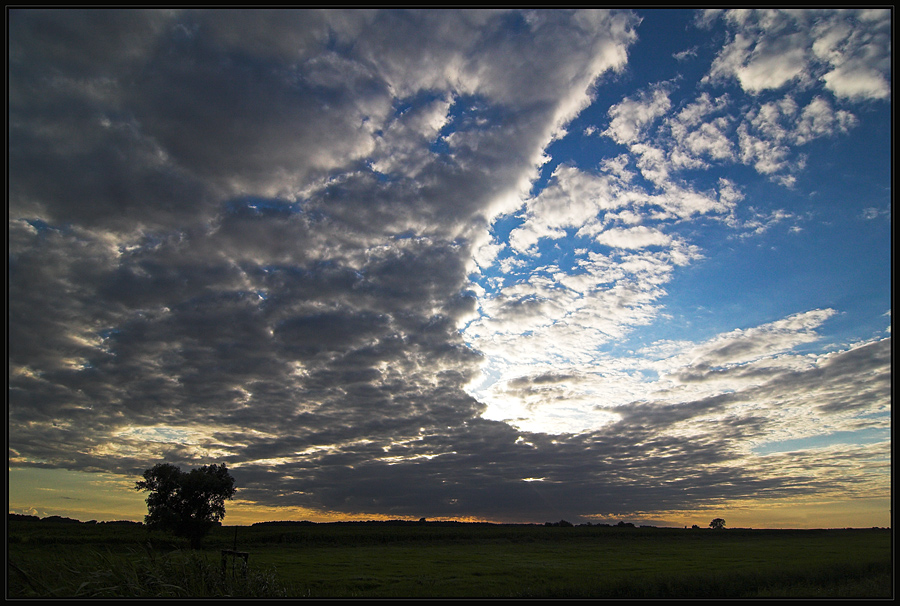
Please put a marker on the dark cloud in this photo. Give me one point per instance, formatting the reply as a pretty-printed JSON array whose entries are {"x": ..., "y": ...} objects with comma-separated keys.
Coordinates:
[{"x": 546, "y": 378}]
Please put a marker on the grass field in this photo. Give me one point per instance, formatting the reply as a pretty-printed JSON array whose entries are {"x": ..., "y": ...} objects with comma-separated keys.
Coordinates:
[{"x": 449, "y": 560}]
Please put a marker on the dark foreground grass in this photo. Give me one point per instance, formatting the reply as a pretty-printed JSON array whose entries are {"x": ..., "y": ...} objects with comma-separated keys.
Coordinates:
[
  {"x": 466, "y": 561},
  {"x": 133, "y": 574},
  {"x": 606, "y": 565}
]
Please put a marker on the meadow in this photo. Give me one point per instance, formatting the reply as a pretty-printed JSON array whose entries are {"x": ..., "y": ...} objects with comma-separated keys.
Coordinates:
[{"x": 446, "y": 559}]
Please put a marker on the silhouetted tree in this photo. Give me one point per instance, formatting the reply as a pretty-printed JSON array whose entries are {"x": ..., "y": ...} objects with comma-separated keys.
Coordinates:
[
  {"x": 187, "y": 503},
  {"x": 717, "y": 524}
]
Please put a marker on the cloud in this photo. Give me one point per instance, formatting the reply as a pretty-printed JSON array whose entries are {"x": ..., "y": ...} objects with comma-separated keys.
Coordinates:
[
  {"x": 404, "y": 148},
  {"x": 634, "y": 237},
  {"x": 872, "y": 213},
  {"x": 259, "y": 236},
  {"x": 742, "y": 346},
  {"x": 774, "y": 394},
  {"x": 707, "y": 132},
  {"x": 686, "y": 54},
  {"x": 770, "y": 132},
  {"x": 251, "y": 236},
  {"x": 631, "y": 117},
  {"x": 728, "y": 363},
  {"x": 847, "y": 50},
  {"x": 573, "y": 200},
  {"x": 858, "y": 54}
]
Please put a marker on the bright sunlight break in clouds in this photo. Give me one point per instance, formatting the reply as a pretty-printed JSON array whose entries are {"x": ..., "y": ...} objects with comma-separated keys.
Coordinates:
[{"x": 506, "y": 265}]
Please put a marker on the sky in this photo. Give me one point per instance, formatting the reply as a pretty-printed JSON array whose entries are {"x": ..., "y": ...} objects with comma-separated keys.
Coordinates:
[{"x": 501, "y": 265}]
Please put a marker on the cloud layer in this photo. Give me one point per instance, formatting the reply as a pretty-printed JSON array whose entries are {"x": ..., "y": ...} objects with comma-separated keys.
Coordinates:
[{"x": 249, "y": 236}]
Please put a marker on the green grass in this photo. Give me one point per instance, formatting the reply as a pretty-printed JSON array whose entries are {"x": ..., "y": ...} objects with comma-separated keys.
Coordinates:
[
  {"x": 608, "y": 564},
  {"x": 463, "y": 560}
]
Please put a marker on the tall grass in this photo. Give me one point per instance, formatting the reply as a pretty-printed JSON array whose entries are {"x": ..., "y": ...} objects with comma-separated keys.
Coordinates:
[{"x": 137, "y": 574}]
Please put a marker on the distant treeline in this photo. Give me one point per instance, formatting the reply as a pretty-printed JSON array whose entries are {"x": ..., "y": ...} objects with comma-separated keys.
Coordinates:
[
  {"x": 447, "y": 523},
  {"x": 28, "y": 518},
  {"x": 382, "y": 523},
  {"x": 561, "y": 523}
]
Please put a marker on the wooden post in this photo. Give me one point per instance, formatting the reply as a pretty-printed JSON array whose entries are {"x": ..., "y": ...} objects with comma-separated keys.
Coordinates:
[{"x": 244, "y": 555}]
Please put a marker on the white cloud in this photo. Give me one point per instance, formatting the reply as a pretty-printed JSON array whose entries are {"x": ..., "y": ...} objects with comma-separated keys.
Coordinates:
[
  {"x": 486, "y": 254},
  {"x": 770, "y": 132},
  {"x": 710, "y": 140},
  {"x": 857, "y": 82},
  {"x": 872, "y": 213},
  {"x": 566, "y": 315},
  {"x": 773, "y": 63},
  {"x": 711, "y": 130},
  {"x": 760, "y": 222},
  {"x": 764, "y": 155},
  {"x": 744, "y": 345},
  {"x": 573, "y": 199},
  {"x": 752, "y": 373},
  {"x": 634, "y": 237},
  {"x": 848, "y": 50},
  {"x": 818, "y": 119},
  {"x": 858, "y": 51},
  {"x": 688, "y": 53},
  {"x": 653, "y": 163},
  {"x": 631, "y": 117}
]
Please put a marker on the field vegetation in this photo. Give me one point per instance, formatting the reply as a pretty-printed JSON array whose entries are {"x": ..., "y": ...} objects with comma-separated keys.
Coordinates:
[{"x": 446, "y": 559}]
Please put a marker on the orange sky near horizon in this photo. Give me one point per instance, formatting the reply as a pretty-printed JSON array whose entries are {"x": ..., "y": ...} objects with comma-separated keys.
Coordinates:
[{"x": 107, "y": 497}]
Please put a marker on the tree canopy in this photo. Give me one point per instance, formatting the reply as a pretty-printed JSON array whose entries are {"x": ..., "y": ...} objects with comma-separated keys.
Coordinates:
[
  {"x": 717, "y": 524},
  {"x": 186, "y": 503}
]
